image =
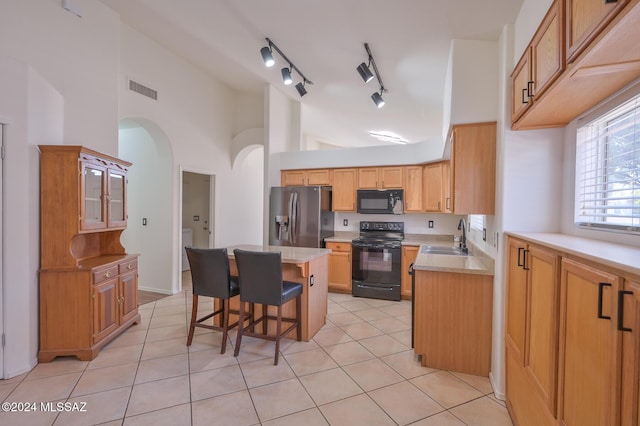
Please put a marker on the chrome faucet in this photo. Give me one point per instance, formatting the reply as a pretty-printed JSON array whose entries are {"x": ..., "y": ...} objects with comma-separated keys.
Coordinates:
[{"x": 462, "y": 225}]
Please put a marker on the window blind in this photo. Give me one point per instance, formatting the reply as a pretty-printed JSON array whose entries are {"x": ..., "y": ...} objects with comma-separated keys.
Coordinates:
[
  {"x": 608, "y": 170},
  {"x": 476, "y": 221}
]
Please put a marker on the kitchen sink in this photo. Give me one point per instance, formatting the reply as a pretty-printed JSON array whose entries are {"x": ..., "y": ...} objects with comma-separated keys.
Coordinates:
[{"x": 452, "y": 251}]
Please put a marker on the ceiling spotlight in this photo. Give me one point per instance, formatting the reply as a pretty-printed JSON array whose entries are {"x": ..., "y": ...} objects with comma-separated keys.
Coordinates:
[
  {"x": 301, "y": 89},
  {"x": 267, "y": 57},
  {"x": 377, "y": 98},
  {"x": 365, "y": 72},
  {"x": 286, "y": 76}
]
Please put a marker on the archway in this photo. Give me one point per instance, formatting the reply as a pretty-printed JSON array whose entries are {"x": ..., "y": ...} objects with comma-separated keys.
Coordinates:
[{"x": 150, "y": 204}]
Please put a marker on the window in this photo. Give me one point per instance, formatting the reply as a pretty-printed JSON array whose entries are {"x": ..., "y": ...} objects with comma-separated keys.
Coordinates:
[
  {"x": 608, "y": 170},
  {"x": 476, "y": 221}
]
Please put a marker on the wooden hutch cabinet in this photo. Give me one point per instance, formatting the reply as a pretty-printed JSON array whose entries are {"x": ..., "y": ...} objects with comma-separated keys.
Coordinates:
[{"x": 88, "y": 283}]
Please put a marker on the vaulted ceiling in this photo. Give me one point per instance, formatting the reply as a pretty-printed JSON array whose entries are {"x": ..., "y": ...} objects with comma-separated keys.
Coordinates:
[{"x": 409, "y": 40}]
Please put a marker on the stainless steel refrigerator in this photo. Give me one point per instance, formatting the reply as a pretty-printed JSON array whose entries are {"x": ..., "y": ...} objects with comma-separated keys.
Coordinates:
[{"x": 300, "y": 216}]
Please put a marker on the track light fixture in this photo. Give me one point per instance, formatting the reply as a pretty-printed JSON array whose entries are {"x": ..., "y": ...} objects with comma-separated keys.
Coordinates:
[
  {"x": 267, "y": 57},
  {"x": 286, "y": 76},
  {"x": 365, "y": 72},
  {"x": 377, "y": 99},
  {"x": 301, "y": 89}
]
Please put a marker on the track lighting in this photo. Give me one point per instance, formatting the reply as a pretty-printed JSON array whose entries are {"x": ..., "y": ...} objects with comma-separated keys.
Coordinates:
[
  {"x": 287, "y": 79},
  {"x": 267, "y": 57},
  {"x": 377, "y": 98},
  {"x": 365, "y": 73},
  {"x": 286, "y": 76},
  {"x": 301, "y": 89}
]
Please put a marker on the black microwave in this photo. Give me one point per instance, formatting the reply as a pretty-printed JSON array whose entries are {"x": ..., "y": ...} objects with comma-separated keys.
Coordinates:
[{"x": 380, "y": 201}]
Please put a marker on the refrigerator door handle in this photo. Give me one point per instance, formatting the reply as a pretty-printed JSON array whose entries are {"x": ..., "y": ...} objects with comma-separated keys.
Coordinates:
[{"x": 294, "y": 219}]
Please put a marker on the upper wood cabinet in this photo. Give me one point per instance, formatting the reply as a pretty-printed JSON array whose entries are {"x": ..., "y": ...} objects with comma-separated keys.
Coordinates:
[
  {"x": 413, "y": 189},
  {"x": 541, "y": 63},
  {"x": 83, "y": 203},
  {"x": 601, "y": 56},
  {"x": 380, "y": 177},
  {"x": 585, "y": 19},
  {"x": 433, "y": 188},
  {"x": 472, "y": 168},
  {"x": 344, "y": 189},
  {"x": 305, "y": 177}
]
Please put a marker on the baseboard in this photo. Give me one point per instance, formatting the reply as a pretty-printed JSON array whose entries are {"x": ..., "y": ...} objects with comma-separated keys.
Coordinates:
[
  {"x": 499, "y": 393},
  {"x": 155, "y": 290}
]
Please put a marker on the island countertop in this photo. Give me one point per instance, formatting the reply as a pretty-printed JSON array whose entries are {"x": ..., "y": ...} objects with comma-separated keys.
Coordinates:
[{"x": 289, "y": 254}]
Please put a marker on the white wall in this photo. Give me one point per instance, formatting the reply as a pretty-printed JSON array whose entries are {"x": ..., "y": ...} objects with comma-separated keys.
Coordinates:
[
  {"x": 474, "y": 81},
  {"x": 87, "y": 61},
  {"x": 58, "y": 77}
]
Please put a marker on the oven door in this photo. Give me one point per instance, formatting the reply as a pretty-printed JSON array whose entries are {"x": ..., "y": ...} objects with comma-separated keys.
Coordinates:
[{"x": 376, "y": 264}]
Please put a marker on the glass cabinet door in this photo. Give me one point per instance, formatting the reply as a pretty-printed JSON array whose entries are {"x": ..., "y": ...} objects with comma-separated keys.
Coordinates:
[
  {"x": 93, "y": 212},
  {"x": 117, "y": 192}
]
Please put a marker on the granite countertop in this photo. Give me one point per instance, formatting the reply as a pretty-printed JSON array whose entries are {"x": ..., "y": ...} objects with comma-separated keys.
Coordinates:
[
  {"x": 289, "y": 254},
  {"x": 342, "y": 237},
  {"x": 480, "y": 265},
  {"x": 622, "y": 257}
]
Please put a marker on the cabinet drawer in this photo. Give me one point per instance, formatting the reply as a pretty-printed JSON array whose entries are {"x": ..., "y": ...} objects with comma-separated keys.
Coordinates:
[
  {"x": 128, "y": 266},
  {"x": 105, "y": 274},
  {"x": 346, "y": 247}
]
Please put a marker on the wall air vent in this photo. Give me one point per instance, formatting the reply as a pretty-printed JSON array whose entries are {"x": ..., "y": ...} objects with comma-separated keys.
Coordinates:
[{"x": 143, "y": 90}]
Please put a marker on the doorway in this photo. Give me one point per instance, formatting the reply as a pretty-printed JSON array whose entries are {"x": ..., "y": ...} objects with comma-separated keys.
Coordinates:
[{"x": 198, "y": 195}]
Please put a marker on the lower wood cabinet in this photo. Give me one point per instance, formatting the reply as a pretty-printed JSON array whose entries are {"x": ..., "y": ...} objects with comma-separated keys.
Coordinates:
[
  {"x": 533, "y": 295},
  {"x": 452, "y": 321},
  {"x": 572, "y": 340},
  {"x": 409, "y": 254},
  {"x": 83, "y": 309},
  {"x": 590, "y": 346},
  {"x": 339, "y": 267}
]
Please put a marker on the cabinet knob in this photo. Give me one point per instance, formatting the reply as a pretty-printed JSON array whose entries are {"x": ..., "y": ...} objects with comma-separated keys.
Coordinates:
[
  {"x": 129, "y": 266},
  {"x": 107, "y": 274}
]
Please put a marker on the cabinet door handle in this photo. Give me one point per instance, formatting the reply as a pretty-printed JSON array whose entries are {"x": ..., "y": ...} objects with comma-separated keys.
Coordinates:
[
  {"x": 524, "y": 101},
  {"x": 524, "y": 260},
  {"x": 520, "y": 263},
  {"x": 601, "y": 287},
  {"x": 621, "y": 295},
  {"x": 530, "y": 89},
  {"x": 447, "y": 203},
  {"x": 610, "y": 1},
  {"x": 438, "y": 205}
]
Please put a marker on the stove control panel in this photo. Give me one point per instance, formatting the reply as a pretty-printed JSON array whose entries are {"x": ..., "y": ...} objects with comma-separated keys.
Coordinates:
[{"x": 382, "y": 226}]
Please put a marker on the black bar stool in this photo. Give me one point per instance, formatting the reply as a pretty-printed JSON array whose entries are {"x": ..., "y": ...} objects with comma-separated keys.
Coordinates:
[
  {"x": 260, "y": 277},
  {"x": 211, "y": 277}
]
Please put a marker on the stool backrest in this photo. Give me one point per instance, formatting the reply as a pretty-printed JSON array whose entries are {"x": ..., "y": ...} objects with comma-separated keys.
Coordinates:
[
  {"x": 210, "y": 274},
  {"x": 260, "y": 276}
]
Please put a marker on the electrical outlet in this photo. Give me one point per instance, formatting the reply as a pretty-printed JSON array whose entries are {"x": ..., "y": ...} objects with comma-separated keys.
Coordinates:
[
  {"x": 484, "y": 234},
  {"x": 311, "y": 281},
  {"x": 345, "y": 222},
  {"x": 430, "y": 224},
  {"x": 144, "y": 221}
]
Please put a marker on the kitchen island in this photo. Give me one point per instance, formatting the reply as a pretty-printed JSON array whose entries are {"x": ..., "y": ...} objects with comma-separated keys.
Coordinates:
[
  {"x": 308, "y": 266},
  {"x": 453, "y": 303}
]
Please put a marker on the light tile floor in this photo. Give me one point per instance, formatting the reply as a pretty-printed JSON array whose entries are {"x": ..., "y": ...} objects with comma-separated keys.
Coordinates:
[{"x": 358, "y": 370}]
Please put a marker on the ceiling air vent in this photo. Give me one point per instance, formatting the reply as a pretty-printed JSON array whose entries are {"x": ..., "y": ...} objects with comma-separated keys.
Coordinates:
[{"x": 143, "y": 90}]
